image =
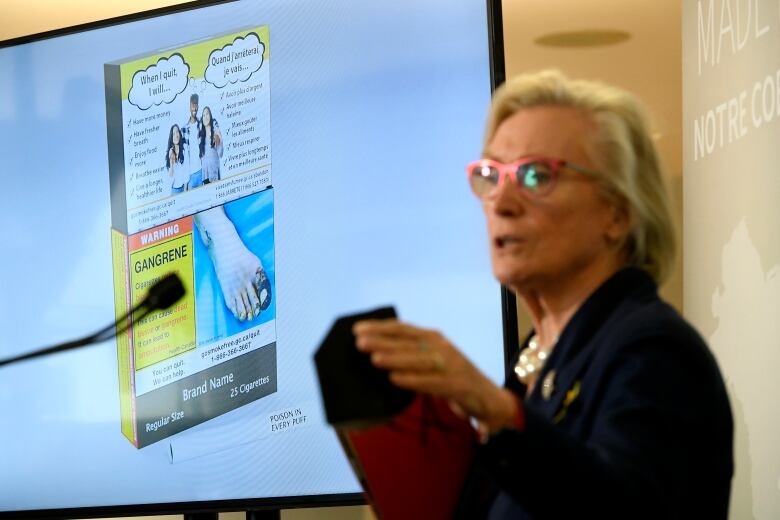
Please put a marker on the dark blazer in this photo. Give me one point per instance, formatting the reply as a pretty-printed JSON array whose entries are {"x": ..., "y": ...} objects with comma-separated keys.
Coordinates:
[{"x": 638, "y": 424}]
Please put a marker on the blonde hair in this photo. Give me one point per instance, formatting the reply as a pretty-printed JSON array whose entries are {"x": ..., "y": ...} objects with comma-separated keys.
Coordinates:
[{"x": 630, "y": 170}]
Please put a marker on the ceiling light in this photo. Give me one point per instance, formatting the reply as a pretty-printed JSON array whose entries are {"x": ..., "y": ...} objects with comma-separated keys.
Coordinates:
[{"x": 584, "y": 38}]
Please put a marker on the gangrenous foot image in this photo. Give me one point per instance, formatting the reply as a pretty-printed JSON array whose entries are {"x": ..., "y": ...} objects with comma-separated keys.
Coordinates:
[{"x": 245, "y": 287}]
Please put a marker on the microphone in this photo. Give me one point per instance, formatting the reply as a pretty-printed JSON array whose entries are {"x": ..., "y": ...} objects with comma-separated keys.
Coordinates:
[
  {"x": 161, "y": 295},
  {"x": 164, "y": 293}
]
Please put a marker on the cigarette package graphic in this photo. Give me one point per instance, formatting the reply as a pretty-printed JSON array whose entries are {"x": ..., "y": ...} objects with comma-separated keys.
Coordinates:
[{"x": 189, "y": 151}]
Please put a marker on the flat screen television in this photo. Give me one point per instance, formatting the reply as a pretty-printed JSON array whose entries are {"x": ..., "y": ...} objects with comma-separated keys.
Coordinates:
[{"x": 292, "y": 161}]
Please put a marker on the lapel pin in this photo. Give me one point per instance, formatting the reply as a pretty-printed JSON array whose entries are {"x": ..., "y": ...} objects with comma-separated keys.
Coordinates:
[
  {"x": 569, "y": 398},
  {"x": 548, "y": 385}
]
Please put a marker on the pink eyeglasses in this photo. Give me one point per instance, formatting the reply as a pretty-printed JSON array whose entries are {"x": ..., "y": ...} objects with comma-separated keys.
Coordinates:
[{"x": 534, "y": 176}]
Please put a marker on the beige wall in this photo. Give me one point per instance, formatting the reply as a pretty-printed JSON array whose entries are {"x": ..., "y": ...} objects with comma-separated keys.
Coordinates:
[
  {"x": 23, "y": 17},
  {"x": 731, "y": 96}
]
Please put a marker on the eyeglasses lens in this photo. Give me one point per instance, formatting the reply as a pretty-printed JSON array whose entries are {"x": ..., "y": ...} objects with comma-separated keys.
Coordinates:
[
  {"x": 483, "y": 179},
  {"x": 534, "y": 177}
]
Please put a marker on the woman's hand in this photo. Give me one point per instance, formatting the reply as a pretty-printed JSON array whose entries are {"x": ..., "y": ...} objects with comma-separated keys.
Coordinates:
[
  {"x": 425, "y": 361},
  {"x": 217, "y": 137}
]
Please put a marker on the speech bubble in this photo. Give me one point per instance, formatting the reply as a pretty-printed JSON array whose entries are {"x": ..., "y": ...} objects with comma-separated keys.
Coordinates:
[
  {"x": 235, "y": 61},
  {"x": 159, "y": 83}
]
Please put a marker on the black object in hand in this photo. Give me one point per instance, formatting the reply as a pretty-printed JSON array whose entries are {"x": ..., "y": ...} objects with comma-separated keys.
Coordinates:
[{"x": 355, "y": 393}]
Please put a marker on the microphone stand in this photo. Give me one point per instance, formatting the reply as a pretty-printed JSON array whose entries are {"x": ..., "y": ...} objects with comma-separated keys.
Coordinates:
[{"x": 161, "y": 295}]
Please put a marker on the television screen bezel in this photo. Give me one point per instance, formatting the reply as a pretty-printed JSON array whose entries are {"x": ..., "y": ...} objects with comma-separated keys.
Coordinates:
[{"x": 508, "y": 301}]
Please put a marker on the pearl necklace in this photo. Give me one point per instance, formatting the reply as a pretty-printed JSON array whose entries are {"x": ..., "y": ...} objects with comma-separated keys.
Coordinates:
[{"x": 532, "y": 359}]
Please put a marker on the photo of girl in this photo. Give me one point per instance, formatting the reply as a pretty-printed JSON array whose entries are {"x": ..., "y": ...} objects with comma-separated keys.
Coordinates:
[
  {"x": 174, "y": 161},
  {"x": 210, "y": 141}
]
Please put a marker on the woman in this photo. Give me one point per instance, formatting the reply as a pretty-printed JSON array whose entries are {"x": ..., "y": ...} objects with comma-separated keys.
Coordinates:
[
  {"x": 210, "y": 139},
  {"x": 174, "y": 161},
  {"x": 614, "y": 408}
]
